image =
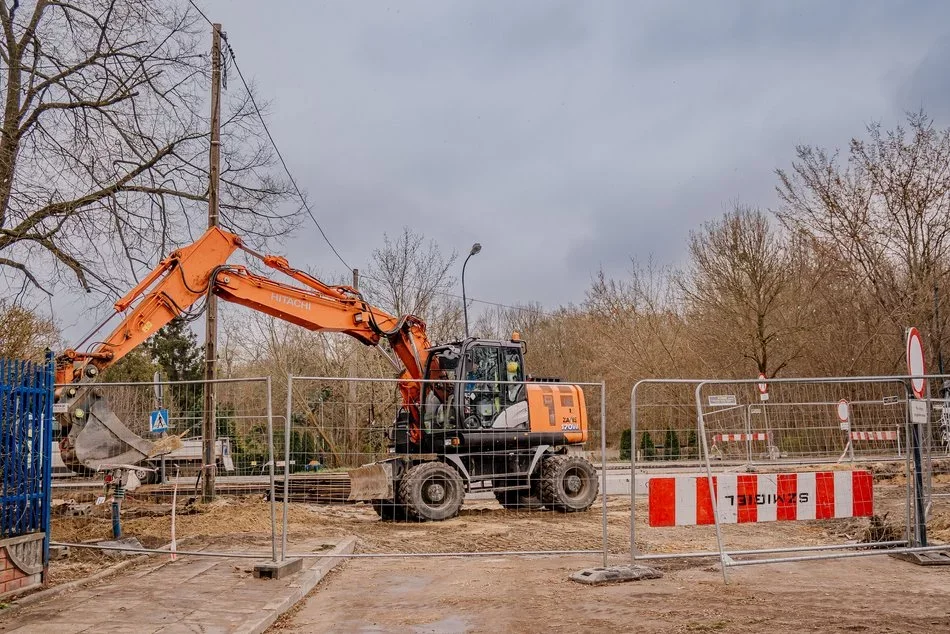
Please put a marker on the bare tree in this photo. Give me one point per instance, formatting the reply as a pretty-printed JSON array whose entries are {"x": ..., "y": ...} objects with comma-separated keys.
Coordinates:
[
  {"x": 744, "y": 289},
  {"x": 24, "y": 334},
  {"x": 104, "y": 142},
  {"x": 885, "y": 214},
  {"x": 641, "y": 321},
  {"x": 500, "y": 322},
  {"x": 409, "y": 275}
]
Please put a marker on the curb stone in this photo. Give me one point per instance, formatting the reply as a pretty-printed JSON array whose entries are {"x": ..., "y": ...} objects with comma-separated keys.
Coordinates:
[{"x": 308, "y": 579}]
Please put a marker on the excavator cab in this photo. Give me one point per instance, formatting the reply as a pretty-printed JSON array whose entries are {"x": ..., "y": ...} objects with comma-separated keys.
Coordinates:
[
  {"x": 475, "y": 397},
  {"x": 471, "y": 384}
]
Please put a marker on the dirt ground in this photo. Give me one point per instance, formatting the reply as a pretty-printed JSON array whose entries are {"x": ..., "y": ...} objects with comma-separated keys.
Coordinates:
[
  {"x": 487, "y": 594},
  {"x": 533, "y": 593},
  {"x": 482, "y": 526}
]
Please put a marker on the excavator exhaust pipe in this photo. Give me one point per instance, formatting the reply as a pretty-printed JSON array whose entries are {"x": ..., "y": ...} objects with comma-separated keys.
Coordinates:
[{"x": 94, "y": 436}]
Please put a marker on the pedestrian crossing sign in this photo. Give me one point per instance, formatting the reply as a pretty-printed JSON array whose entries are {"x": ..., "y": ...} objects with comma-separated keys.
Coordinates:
[{"x": 158, "y": 421}]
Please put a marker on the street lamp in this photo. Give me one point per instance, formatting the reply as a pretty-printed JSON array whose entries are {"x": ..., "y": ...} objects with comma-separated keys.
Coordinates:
[{"x": 475, "y": 249}]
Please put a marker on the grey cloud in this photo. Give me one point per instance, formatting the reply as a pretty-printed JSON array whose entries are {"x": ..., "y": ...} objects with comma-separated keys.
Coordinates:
[{"x": 565, "y": 136}]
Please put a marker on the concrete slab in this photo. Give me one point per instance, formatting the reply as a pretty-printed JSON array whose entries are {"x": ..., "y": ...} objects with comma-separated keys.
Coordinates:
[
  {"x": 277, "y": 570},
  {"x": 192, "y": 594},
  {"x": 615, "y": 574}
]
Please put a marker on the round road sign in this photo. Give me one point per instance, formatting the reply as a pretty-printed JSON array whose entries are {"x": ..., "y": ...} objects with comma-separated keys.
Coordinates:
[
  {"x": 844, "y": 411},
  {"x": 915, "y": 362},
  {"x": 763, "y": 386}
]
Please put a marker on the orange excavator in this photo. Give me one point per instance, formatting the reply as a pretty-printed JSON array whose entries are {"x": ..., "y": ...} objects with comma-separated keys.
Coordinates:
[{"x": 468, "y": 415}]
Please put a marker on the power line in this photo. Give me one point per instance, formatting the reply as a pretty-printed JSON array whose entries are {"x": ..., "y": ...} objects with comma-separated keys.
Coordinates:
[
  {"x": 303, "y": 199},
  {"x": 202, "y": 13},
  {"x": 283, "y": 163},
  {"x": 270, "y": 137},
  {"x": 470, "y": 299}
]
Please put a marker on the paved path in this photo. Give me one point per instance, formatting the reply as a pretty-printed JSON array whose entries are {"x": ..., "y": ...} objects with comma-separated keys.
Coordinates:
[
  {"x": 534, "y": 595},
  {"x": 192, "y": 594}
]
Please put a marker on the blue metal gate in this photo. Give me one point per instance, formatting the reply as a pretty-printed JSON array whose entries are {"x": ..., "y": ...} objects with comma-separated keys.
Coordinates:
[{"x": 26, "y": 417}]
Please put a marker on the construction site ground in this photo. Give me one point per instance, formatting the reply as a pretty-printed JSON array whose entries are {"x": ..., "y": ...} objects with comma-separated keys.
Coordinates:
[
  {"x": 190, "y": 594},
  {"x": 488, "y": 594},
  {"x": 691, "y": 597}
]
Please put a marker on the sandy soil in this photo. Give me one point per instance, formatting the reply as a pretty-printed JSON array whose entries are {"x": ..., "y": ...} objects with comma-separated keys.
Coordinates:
[{"x": 487, "y": 594}]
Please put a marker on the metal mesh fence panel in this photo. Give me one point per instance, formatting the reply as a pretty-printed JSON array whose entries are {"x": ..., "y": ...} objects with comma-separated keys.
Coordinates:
[
  {"x": 449, "y": 466},
  {"x": 935, "y": 450},
  {"x": 832, "y": 475},
  {"x": 103, "y": 426},
  {"x": 664, "y": 441}
]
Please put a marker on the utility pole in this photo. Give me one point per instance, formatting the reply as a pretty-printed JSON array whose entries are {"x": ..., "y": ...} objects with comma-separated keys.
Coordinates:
[
  {"x": 351, "y": 394},
  {"x": 208, "y": 426}
]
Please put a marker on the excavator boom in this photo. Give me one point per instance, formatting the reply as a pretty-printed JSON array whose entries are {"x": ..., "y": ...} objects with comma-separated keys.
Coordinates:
[{"x": 93, "y": 433}]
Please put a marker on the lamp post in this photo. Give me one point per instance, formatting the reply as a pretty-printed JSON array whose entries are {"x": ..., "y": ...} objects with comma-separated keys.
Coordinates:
[{"x": 475, "y": 249}]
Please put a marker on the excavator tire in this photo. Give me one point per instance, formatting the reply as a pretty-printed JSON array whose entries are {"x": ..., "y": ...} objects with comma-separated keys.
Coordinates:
[
  {"x": 391, "y": 510},
  {"x": 432, "y": 492},
  {"x": 568, "y": 483},
  {"x": 519, "y": 500}
]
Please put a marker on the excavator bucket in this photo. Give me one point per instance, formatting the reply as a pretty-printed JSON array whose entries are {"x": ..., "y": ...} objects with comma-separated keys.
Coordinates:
[
  {"x": 95, "y": 436},
  {"x": 371, "y": 482}
]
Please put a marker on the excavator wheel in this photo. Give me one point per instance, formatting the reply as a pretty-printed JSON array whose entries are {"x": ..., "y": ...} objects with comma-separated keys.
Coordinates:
[
  {"x": 519, "y": 500},
  {"x": 432, "y": 491},
  {"x": 568, "y": 483},
  {"x": 391, "y": 510}
]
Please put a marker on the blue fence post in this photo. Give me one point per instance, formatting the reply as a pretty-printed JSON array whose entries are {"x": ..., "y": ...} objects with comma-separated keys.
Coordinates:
[
  {"x": 26, "y": 441},
  {"x": 47, "y": 453}
]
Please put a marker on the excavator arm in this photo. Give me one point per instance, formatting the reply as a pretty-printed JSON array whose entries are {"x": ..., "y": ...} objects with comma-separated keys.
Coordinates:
[
  {"x": 180, "y": 280},
  {"x": 176, "y": 285}
]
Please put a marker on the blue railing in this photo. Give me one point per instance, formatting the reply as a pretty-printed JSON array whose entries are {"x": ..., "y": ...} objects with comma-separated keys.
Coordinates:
[{"x": 26, "y": 421}]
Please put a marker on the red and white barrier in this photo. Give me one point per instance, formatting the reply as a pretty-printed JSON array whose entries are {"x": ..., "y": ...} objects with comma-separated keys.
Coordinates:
[
  {"x": 874, "y": 435},
  {"x": 766, "y": 497},
  {"x": 718, "y": 438}
]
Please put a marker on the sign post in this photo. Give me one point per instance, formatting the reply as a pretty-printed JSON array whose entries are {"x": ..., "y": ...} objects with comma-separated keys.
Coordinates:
[
  {"x": 917, "y": 370},
  {"x": 159, "y": 388},
  {"x": 843, "y": 409}
]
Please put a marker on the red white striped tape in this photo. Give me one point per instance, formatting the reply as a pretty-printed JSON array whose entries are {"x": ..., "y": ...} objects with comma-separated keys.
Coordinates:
[
  {"x": 739, "y": 437},
  {"x": 765, "y": 497},
  {"x": 874, "y": 435}
]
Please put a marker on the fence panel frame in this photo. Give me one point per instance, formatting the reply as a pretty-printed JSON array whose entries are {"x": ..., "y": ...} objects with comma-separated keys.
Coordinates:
[
  {"x": 602, "y": 430},
  {"x": 634, "y": 555},
  {"x": 267, "y": 416},
  {"x": 917, "y": 544}
]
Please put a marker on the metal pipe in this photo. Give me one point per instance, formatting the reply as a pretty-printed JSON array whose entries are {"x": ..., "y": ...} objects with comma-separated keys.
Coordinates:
[
  {"x": 270, "y": 451},
  {"x": 603, "y": 463},
  {"x": 116, "y": 521},
  {"x": 286, "y": 505},
  {"x": 633, "y": 472},
  {"x": 766, "y": 551},
  {"x": 141, "y": 383},
  {"x": 863, "y": 553},
  {"x": 264, "y": 555},
  {"x": 701, "y": 431},
  {"x": 446, "y": 381}
]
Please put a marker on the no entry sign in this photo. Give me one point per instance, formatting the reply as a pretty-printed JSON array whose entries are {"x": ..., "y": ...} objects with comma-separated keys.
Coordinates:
[
  {"x": 915, "y": 362},
  {"x": 844, "y": 414}
]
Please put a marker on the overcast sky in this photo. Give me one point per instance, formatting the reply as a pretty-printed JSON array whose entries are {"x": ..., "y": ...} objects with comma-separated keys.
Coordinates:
[{"x": 566, "y": 136}]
